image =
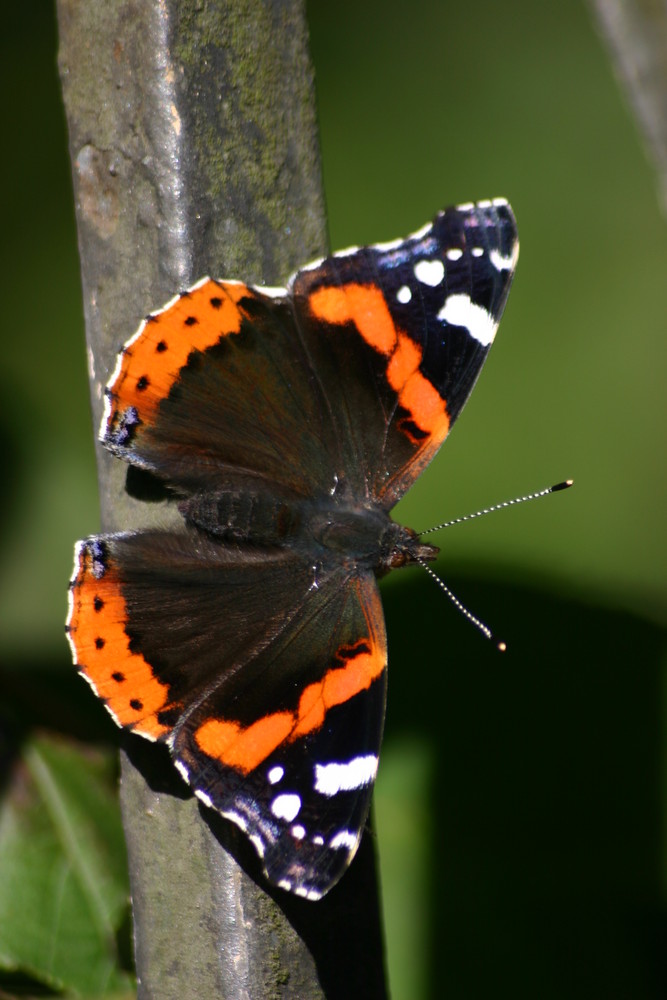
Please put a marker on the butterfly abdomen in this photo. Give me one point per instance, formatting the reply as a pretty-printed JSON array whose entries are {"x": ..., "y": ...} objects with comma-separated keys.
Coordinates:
[{"x": 243, "y": 516}]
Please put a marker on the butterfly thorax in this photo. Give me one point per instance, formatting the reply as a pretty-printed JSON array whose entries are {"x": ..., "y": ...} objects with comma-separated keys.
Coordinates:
[{"x": 338, "y": 530}]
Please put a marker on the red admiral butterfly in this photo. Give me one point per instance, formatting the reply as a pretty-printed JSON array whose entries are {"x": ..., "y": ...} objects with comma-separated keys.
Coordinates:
[{"x": 288, "y": 422}]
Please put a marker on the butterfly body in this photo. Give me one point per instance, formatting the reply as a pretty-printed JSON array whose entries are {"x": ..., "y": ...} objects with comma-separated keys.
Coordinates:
[
  {"x": 287, "y": 423},
  {"x": 328, "y": 531}
]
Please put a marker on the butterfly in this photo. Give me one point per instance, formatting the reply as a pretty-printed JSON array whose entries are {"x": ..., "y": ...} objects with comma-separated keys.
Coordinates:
[{"x": 286, "y": 423}]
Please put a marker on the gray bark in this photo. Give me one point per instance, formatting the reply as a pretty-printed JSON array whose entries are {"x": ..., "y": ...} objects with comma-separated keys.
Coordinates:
[
  {"x": 194, "y": 151},
  {"x": 636, "y": 35}
]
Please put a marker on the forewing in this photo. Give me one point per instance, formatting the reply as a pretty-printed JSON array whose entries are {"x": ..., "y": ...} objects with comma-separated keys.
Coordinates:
[{"x": 398, "y": 334}]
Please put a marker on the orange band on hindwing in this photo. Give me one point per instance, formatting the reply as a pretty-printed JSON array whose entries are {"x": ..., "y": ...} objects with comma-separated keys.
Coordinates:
[
  {"x": 245, "y": 747},
  {"x": 123, "y": 679}
]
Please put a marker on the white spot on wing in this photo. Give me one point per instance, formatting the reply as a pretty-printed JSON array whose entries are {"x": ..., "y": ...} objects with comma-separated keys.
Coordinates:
[
  {"x": 477, "y": 251},
  {"x": 270, "y": 290},
  {"x": 388, "y": 245},
  {"x": 346, "y": 252},
  {"x": 500, "y": 262},
  {"x": 275, "y": 774},
  {"x": 286, "y": 806},
  {"x": 460, "y": 311},
  {"x": 346, "y": 777},
  {"x": 306, "y": 267},
  {"x": 237, "y": 818},
  {"x": 182, "y": 770},
  {"x": 420, "y": 233},
  {"x": 303, "y": 890},
  {"x": 344, "y": 839},
  {"x": 454, "y": 254},
  {"x": 404, "y": 294},
  {"x": 203, "y": 797},
  {"x": 298, "y": 831},
  {"x": 429, "y": 272},
  {"x": 258, "y": 843}
]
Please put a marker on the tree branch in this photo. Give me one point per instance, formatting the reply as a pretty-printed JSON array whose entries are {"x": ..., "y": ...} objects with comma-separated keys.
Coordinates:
[
  {"x": 194, "y": 151},
  {"x": 636, "y": 35}
]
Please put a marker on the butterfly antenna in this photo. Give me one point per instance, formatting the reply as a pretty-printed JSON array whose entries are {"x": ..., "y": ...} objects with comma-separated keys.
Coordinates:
[
  {"x": 484, "y": 629},
  {"x": 499, "y": 506}
]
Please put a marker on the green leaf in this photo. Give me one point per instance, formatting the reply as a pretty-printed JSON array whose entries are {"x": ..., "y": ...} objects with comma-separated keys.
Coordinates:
[{"x": 62, "y": 871}]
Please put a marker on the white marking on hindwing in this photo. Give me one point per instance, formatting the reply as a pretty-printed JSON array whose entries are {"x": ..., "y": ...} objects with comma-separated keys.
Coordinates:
[
  {"x": 286, "y": 806},
  {"x": 344, "y": 839},
  {"x": 258, "y": 843},
  {"x": 330, "y": 779},
  {"x": 182, "y": 770},
  {"x": 203, "y": 797},
  {"x": 302, "y": 890},
  {"x": 236, "y": 817},
  {"x": 460, "y": 311}
]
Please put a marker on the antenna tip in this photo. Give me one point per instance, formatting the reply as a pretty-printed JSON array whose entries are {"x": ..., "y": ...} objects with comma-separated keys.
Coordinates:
[
  {"x": 562, "y": 486},
  {"x": 501, "y": 647}
]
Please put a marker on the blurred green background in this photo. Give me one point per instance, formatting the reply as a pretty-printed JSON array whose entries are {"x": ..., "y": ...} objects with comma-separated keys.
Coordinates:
[{"x": 521, "y": 799}]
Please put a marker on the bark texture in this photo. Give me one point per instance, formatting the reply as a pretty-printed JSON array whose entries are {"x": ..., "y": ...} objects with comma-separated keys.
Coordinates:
[
  {"x": 636, "y": 35},
  {"x": 194, "y": 151}
]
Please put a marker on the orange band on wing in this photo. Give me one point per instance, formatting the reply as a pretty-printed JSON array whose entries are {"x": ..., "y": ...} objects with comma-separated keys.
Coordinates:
[
  {"x": 151, "y": 361},
  {"x": 363, "y": 665},
  {"x": 366, "y": 307},
  {"x": 122, "y": 679},
  {"x": 362, "y": 305},
  {"x": 404, "y": 362},
  {"x": 245, "y": 747}
]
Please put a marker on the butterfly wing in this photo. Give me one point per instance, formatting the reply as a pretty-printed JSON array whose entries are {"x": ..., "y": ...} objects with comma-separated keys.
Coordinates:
[
  {"x": 264, "y": 675},
  {"x": 262, "y": 666},
  {"x": 349, "y": 380},
  {"x": 216, "y": 388},
  {"x": 398, "y": 334}
]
